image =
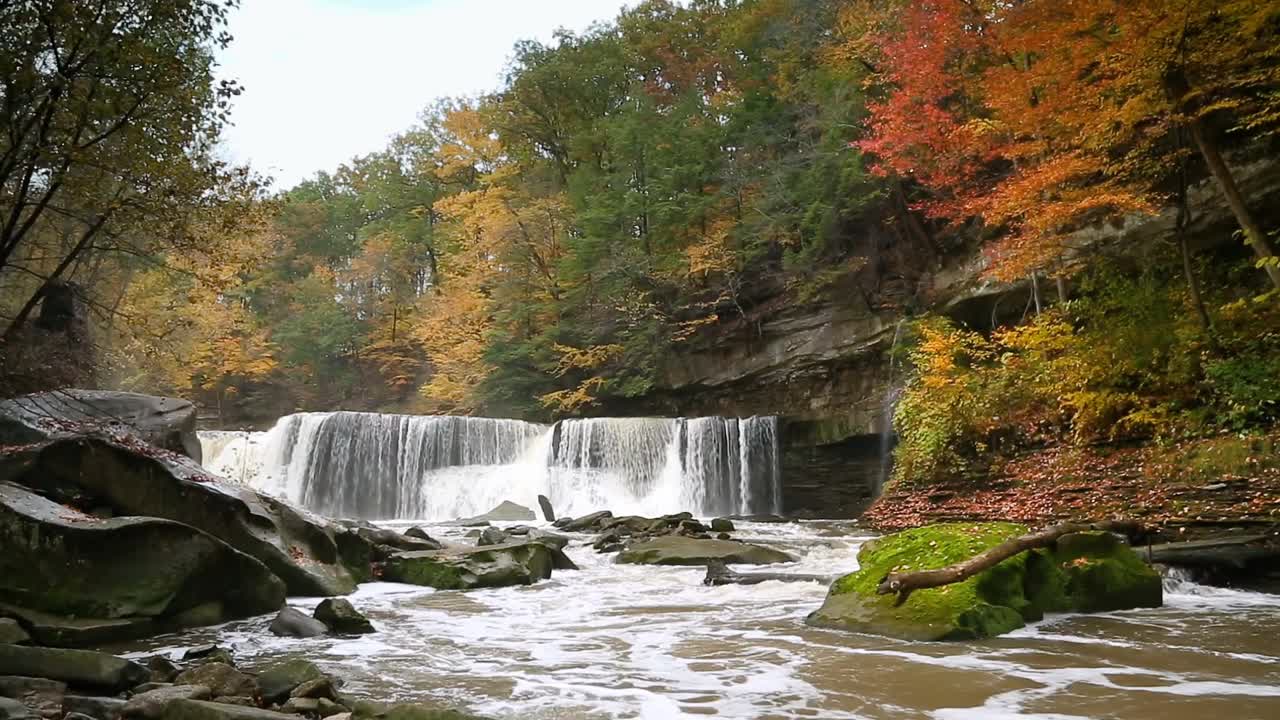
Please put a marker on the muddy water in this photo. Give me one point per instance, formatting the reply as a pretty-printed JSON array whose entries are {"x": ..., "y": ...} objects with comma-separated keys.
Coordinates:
[{"x": 617, "y": 641}]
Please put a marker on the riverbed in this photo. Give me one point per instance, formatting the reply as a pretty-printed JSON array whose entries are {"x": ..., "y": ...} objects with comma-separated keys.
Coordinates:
[{"x": 624, "y": 641}]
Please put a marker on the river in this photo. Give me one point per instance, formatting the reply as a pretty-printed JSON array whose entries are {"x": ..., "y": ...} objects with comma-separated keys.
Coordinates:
[{"x": 624, "y": 641}]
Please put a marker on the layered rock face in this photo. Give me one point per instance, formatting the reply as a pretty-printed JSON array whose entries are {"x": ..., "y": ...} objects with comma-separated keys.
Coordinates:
[{"x": 820, "y": 357}]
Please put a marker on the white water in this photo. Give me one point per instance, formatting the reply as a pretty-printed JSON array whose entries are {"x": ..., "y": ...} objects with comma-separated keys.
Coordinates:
[
  {"x": 639, "y": 642},
  {"x": 400, "y": 466}
]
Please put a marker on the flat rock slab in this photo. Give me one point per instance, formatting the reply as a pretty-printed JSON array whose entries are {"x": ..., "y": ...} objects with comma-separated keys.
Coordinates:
[
  {"x": 165, "y": 422},
  {"x": 152, "y": 704},
  {"x": 677, "y": 550},
  {"x": 205, "y": 710},
  {"x": 78, "y": 668}
]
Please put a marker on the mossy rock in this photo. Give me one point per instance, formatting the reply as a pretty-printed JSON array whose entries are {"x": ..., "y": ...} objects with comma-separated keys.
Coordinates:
[
  {"x": 462, "y": 568},
  {"x": 1085, "y": 572}
]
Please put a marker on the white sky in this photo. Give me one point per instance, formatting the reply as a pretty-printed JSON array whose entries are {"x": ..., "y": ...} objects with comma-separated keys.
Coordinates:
[{"x": 327, "y": 80}]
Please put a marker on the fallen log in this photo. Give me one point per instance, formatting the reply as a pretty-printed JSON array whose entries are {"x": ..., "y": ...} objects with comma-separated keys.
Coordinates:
[
  {"x": 905, "y": 583},
  {"x": 719, "y": 573},
  {"x": 1235, "y": 553}
]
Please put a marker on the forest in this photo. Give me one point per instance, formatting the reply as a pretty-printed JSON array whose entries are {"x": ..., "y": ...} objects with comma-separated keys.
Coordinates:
[{"x": 536, "y": 252}]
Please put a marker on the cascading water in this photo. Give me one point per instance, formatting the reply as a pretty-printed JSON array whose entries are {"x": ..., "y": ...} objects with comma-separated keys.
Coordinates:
[{"x": 376, "y": 466}]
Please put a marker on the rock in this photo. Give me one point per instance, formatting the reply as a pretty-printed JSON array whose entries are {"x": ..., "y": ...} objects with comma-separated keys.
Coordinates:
[
  {"x": 78, "y": 668},
  {"x": 339, "y": 616},
  {"x": 76, "y": 716},
  {"x": 136, "y": 480},
  {"x": 408, "y": 711},
  {"x": 492, "y": 536},
  {"x": 418, "y": 533},
  {"x": 341, "y": 716},
  {"x": 281, "y": 679},
  {"x": 168, "y": 423},
  {"x": 208, "y": 653},
  {"x": 98, "y": 708},
  {"x": 292, "y": 622},
  {"x": 149, "y": 686},
  {"x": 220, "y": 678},
  {"x": 43, "y": 697},
  {"x": 241, "y": 700},
  {"x": 152, "y": 704},
  {"x": 724, "y": 536},
  {"x": 719, "y": 574},
  {"x": 507, "y": 511},
  {"x": 676, "y": 550},
  {"x": 301, "y": 706},
  {"x": 328, "y": 708},
  {"x": 467, "y": 568},
  {"x": 163, "y": 670},
  {"x": 1085, "y": 572},
  {"x": 467, "y": 522},
  {"x": 11, "y": 633},
  {"x": 722, "y": 525},
  {"x": 60, "y": 562},
  {"x": 548, "y": 513},
  {"x": 205, "y": 710},
  {"x": 319, "y": 688},
  {"x": 559, "y": 542},
  {"x": 586, "y": 522},
  {"x": 63, "y": 631},
  {"x": 13, "y": 710}
]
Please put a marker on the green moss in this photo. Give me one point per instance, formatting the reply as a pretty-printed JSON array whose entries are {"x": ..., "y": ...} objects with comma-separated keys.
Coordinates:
[
  {"x": 1101, "y": 573},
  {"x": 1085, "y": 572},
  {"x": 427, "y": 571},
  {"x": 987, "y": 604}
]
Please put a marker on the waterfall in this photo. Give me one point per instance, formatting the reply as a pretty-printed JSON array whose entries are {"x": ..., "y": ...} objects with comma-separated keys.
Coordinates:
[{"x": 375, "y": 466}]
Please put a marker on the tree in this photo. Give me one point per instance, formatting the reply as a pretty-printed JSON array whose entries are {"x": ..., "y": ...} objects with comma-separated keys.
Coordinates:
[
  {"x": 109, "y": 109},
  {"x": 1036, "y": 117}
]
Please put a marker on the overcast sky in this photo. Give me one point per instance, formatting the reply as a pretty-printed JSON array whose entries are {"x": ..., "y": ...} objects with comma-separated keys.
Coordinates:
[{"x": 327, "y": 80}]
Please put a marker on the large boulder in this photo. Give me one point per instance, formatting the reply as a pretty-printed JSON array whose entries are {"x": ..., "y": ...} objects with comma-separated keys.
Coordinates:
[
  {"x": 1084, "y": 572},
  {"x": 58, "y": 561},
  {"x": 680, "y": 550},
  {"x": 168, "y": 423},
  {"x": 131, "y": 478},
  {"x": 463, "y": 568},
  {"x": 77, "y": 668}
]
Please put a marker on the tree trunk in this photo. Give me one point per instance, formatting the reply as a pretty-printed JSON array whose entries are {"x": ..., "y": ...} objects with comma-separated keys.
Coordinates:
[
  {"x": 1062, "y": 288},
  {"x": 904, "y": 583},
  {"x": 1035, "y": 292},
  {"x": 1253, "y": 232}
]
